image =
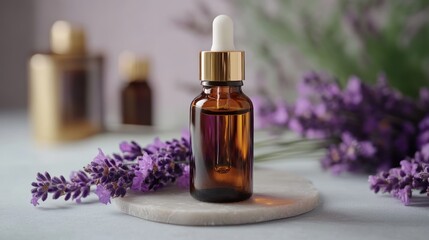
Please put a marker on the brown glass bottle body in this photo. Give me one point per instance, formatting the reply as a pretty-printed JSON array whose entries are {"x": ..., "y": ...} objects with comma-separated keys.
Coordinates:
[
  {"x": 65, "y": 96},
  {"x": 137, "y": 103},
  {"x": 221, "y": 126}
]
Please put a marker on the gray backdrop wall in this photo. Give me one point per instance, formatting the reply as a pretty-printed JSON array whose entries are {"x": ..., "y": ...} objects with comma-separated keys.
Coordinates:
[
  {"x": 16, "y": 44},
  {"x": 146, "y": 27}
]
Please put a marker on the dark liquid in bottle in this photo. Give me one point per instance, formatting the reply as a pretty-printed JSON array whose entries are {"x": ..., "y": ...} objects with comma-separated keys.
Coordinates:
[
  {"x": 222, "y": 161},
  {"x": 74, "y": 96},
  {"x": 137, "y": 103}
]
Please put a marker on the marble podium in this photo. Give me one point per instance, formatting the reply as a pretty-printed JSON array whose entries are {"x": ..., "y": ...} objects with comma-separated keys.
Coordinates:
[{"x": 276, "y": 195}]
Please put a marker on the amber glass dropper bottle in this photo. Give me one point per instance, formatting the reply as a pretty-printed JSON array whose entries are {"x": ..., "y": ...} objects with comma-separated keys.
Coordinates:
[
  {"x": 136, "y": 93},
  {"x": 221, "y": 123}
]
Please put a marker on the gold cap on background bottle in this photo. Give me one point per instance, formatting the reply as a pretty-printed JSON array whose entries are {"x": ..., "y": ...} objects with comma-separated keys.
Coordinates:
[
  {"x": 67, "y": 39},
  {"x": 132, "y": 67}
]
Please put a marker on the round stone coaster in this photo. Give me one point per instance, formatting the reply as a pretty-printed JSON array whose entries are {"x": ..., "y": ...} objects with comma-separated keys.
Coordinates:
[{"x": 276, "y": 195}]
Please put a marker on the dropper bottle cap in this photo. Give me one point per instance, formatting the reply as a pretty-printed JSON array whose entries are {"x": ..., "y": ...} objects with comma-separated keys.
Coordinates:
[
  {"x": 67, "y": 39},
  {"x": 222, "y": 62},
  {"x": 133, "y": 67}
]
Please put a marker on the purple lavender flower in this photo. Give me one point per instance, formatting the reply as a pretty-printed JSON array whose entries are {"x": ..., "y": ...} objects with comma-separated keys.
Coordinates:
[
  {"x": 354, "y": 91},
  {"x": 146, "y": 164},
  {"x": 112, "y": 175},
  {"x": 155, "y": 172},
  {"x": 130, "y": 150},
  {"x": 349, "y": 155},
  {"x": 142, "y": 169},
  {"x": 280, "y": 116},
  {"x": 35, "y": 201},
  {"x": 262, "y": 111},
  {"x": 103, "y": 194},
  {"x": 77, "y": 187},
  {"x": 138, "y": 182},
  {"x": 183, "y": 181},
  {"x": 423, "y": 135},
  {"x": 100, "y": 157},
  {"x": 400, "y": 182}
]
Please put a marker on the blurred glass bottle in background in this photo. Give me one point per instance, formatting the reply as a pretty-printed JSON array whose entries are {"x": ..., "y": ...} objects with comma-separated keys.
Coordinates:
[
  {"x": 136, "y": 94},
  {"x": 65, "y": 87}
]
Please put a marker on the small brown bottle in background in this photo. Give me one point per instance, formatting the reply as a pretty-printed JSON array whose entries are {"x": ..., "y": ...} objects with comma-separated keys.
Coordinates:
[{"x": 136, "y": 95}]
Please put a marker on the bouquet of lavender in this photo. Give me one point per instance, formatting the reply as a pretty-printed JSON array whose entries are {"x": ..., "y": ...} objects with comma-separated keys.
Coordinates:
[
  {"x": 137, "y": 168},
  {"x": 369, "y": 128}
]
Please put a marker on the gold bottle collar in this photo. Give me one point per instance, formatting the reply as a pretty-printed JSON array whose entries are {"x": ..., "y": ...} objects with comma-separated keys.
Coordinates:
[
  {"x": 132, "y": 67},
  {"x": 222, "y": 66}
]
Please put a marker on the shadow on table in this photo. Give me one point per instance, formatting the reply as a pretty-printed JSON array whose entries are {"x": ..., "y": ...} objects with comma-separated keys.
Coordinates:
[
  {"x": 68, "y": 205},
  {"x": 419, "y": 201}
]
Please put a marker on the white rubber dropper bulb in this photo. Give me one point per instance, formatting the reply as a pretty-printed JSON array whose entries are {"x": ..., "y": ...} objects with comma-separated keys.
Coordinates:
[{"x": 223, "y": 34}]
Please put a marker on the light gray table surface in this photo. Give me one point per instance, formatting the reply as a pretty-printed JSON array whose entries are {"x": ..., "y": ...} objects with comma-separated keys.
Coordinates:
[{"x": 348, "y": 209}]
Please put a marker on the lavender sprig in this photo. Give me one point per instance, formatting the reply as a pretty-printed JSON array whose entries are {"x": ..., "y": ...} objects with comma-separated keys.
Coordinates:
[
  {"x": 76, "y": 188},
  {"x": 400, "y": 182},
  {"x": 137, "y": 168},
  {"x": 372, "y": 129},
  {"x": 110, "y": 175}
]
